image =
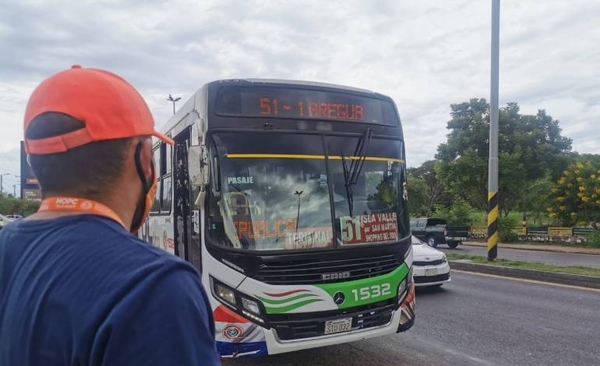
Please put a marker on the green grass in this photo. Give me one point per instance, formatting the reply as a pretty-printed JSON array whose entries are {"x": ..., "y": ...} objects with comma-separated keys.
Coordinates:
[{"x": 577, "y": 270}]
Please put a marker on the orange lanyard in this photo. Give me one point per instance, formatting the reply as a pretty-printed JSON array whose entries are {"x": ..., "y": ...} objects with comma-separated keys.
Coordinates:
[{"x": 82, "y": 205}]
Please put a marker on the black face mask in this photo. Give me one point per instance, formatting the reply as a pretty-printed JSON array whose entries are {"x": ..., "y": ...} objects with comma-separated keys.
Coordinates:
[{"x": 141, "y": 209}]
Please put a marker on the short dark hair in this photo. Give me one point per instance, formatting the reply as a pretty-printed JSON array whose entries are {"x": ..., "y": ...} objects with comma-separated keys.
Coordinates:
[{"x": 86, "y": 171}]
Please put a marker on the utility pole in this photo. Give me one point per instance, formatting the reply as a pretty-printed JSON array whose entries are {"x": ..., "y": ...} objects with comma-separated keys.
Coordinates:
[
  {"x": 1, "y": 186},
  {"x": 173, "y": 100},
  {"x": 493, "y": 211}
]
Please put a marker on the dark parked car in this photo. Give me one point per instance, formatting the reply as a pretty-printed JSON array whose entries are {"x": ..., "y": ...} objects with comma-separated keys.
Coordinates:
[{"x": 434, "y": 231}]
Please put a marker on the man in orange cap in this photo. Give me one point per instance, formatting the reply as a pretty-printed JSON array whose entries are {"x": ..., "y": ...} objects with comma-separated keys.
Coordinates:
[{"x": 76, "y": 287}]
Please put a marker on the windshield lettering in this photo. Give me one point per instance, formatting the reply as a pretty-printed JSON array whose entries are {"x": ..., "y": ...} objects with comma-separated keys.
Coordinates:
[
  {"x": 373, "y": 228},
  {"x": 262, "y": 229},
  {"x": 240, "y": 180}
]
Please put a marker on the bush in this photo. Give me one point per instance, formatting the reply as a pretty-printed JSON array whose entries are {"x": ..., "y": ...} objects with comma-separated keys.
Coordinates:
[
  {"x": 594, "y": 240},
  {"x": 505, "y": 226},
  {"x": 460, "y": 213},
  {"x": 10, "y": 205}
]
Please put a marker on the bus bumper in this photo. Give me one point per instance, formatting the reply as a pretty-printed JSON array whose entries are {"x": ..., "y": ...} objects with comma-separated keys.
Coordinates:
[
  {"x": 407, "y": 310},
  {"x": 276, "y": 346},
  {"x": 402, "y": 320}
]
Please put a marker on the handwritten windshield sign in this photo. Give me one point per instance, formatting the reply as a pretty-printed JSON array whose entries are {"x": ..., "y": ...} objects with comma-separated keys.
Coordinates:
[
  {"x": 373, "y": 228},
  {"x": 308, "y": 238}
]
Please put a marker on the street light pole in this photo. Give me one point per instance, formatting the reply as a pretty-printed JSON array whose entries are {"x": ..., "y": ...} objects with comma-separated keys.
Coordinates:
[
  {"x": 18, "y": 184},
  {"x": 493, "y": 211},
  {"x": 298, "y": 193},
  {"x": 174, "y": 100}
]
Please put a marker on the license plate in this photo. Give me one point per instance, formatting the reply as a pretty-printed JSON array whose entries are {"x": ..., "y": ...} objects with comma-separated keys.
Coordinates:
[
  {"x": 338, "y": 325},
  {"x": 431, "y": 272}
]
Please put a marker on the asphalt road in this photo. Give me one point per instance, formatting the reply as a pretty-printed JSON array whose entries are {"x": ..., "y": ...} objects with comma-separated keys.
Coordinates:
[
  {"x": 555, "y": 258},
  {"x": 476, "y": 320}
]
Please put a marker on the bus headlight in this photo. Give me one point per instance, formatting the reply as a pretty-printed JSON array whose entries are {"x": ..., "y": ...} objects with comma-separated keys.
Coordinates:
[
  {"x": 249, "y": 308},
  {"x": 402, "y": 291},
  {"x": 250, "y": 305},
  {"x": 225, "y": 293}
]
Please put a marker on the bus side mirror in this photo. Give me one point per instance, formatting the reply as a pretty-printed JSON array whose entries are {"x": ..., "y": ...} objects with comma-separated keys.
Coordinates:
[
  {"x": 216, "y": 177},
  {"x": 197, "y": 166}
]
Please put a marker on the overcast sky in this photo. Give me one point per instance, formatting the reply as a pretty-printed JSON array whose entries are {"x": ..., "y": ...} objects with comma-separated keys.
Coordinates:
[{"x": 425, "y": 54}]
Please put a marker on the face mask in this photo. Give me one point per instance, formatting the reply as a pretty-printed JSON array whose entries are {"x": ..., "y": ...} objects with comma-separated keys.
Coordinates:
[
  {"x": 148, "y": 200},
  {"x": 148, "y": 191}
]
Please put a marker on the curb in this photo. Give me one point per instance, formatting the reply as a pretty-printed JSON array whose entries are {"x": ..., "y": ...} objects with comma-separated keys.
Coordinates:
[
  {"x": 528, "y": 274},
  {"x": 541, "y": 248}
]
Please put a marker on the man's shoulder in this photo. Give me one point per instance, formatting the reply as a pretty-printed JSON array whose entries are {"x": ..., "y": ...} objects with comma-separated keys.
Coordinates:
[
  {"x": 94, "y": 238},
  {"x": 160, "y": 254},
  {"x": 135, "y": 247}
]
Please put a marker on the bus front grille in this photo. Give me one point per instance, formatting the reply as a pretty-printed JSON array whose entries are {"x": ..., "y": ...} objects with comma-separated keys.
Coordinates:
[
  {"x": 314, "y": 326},
  {"x": 308, "y": 272}
]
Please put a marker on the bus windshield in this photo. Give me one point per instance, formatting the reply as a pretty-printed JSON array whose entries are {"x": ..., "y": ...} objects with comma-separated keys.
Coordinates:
[{"x": 275, "y": 192}]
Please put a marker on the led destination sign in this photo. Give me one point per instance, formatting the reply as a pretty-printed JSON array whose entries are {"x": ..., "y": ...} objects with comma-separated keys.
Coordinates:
[{"x": 280, "y": 102}]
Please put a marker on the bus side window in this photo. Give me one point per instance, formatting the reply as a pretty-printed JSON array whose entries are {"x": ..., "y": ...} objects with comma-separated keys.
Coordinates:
[
  {"x": 156, "y": 203},
  {"x": 167, "y": 192},
  {"x": 168, "y": 158}
]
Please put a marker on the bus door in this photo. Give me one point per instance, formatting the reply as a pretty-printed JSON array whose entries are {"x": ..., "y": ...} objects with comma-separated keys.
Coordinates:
[{"x": 187, "y": 238}]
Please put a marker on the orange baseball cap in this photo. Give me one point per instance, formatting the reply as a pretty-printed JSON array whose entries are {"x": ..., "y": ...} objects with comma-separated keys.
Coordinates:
[{"x": 109, "y": 106}]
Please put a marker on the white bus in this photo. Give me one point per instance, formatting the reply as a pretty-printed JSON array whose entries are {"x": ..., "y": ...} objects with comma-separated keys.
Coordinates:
[{"x": 290, "y": 199}]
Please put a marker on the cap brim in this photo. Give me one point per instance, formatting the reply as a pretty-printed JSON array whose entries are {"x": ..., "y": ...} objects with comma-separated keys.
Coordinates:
[{"x": 164, "y": 138}]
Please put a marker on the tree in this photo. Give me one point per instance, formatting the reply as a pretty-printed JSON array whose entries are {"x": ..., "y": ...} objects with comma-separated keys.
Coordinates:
[
  {"x": 435, "y": 192},
  {"x": 11, "y": 205},
  {"x": 535, "y": 199},
  {"x": 575, "y": 199},
  {"x": 530, "y": 147},
  {"x": 417, "y": 195}
]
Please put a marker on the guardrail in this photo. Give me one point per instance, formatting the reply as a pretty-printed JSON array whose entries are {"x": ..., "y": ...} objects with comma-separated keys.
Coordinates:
[{"x": 543, "y": 233}]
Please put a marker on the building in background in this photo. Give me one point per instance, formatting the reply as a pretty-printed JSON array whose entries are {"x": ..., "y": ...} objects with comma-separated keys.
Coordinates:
[{"x": 30, "y": 189}]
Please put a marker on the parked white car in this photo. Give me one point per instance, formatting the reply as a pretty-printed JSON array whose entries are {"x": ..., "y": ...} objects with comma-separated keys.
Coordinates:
[
  {"x": 430, "y": 266},
  {"x": 4, "y": 220}
]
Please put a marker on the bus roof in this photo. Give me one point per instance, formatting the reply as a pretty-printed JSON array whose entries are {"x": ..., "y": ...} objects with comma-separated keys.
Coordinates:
[{"x": 298, "y": 82}]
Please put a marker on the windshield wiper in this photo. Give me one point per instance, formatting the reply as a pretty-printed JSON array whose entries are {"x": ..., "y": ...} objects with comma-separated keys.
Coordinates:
[{"x": 352, "y": 173}]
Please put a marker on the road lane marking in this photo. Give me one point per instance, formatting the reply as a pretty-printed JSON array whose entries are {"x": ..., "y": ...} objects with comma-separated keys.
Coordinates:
[
  {"x": 530, "y": 281},
  {"x": 443, "y": 348}
]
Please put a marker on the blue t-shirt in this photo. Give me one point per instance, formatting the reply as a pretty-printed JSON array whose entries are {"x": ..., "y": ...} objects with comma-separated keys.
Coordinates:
[{"x": 80, "y": 290}]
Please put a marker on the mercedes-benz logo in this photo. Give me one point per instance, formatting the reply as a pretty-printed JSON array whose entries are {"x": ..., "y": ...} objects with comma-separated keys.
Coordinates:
[{"x": 339, "y": 298}]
